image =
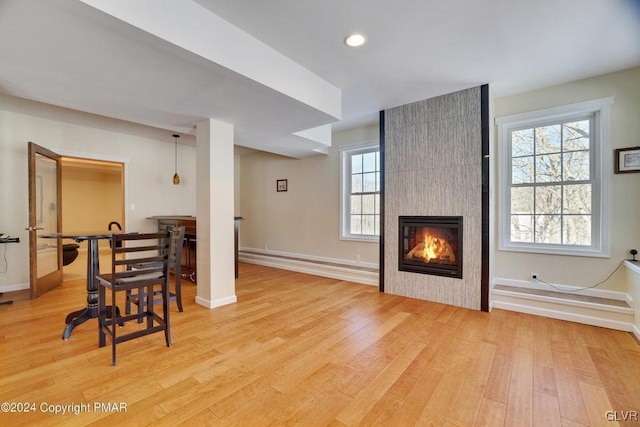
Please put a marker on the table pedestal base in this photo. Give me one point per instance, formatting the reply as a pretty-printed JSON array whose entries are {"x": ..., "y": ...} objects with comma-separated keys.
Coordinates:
[{"x": 80, "y": 316}]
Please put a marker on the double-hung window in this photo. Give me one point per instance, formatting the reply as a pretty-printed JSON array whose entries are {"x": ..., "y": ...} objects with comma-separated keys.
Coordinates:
[
  {"x": 554, "y": 180},
  {"x": 360, "y": 192}
]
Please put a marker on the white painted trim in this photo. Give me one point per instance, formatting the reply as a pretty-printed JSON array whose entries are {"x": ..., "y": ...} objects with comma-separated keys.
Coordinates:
[
  {"x": 602, "y": 182},
  {"x": 562, "y": 301},
  {"x": 311, "y": 258},
  {"x": 633, "y": 266},
  {"x": 636, "y": 332},
  {"x": 15, "y": 287},
  {"x": 310, "y": 266},
  {"x": 593, "y": 292},
  {"x": 572, "y": 317},
  {"x": 345, "y": 169},
  {"x": 554, "y": 113},
  {"x": 216, "y": 303}
]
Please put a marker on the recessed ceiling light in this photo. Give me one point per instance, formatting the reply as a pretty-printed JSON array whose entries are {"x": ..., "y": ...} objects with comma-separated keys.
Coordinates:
[{"x": 355, "y": 40}]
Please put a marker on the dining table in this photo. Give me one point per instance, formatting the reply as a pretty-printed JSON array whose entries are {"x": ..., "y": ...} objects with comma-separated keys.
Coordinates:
[{"x": 92, "y": 238}]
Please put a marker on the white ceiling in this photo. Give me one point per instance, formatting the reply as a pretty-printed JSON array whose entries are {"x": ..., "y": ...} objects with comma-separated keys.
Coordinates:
[{"x": 67, "y": 53}]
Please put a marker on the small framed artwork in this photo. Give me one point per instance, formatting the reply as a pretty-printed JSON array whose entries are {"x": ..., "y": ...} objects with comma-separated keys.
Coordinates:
[
  {"x": 281, "y": 185},
  {"x": 627, "y": 160}
]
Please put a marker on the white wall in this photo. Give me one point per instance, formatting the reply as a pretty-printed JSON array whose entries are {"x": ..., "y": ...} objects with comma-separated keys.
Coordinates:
[
  {"x": 305, "y": 220},
  {"x": 148, "y": 155},
  {"x": 624, "y": 86}
]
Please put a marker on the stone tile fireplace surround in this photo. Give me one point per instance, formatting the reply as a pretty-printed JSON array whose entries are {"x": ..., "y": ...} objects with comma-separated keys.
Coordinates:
[{"x": 436, "y": 164}]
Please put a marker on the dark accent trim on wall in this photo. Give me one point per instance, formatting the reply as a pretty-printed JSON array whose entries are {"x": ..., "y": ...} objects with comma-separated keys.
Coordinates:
[
  {"x": 484, "y": 117},
  {"x": 382, "y": 181}
]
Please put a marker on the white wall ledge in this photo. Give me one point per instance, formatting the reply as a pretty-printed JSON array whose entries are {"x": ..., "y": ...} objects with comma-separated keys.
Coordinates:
[{"x": 633, "y": 266}]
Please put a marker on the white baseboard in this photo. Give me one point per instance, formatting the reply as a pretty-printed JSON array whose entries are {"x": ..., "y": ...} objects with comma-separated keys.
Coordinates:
[
  {"x": 576, "y": 290},
  {"x": 337, "y": 269},
  {"x": 217, "y": 303},
  {"x": 572, "y": 317},
  {"x": 12, "y": 288},
  {"x": 556, "y": 307},
  {"x": 636, "y": 332}
]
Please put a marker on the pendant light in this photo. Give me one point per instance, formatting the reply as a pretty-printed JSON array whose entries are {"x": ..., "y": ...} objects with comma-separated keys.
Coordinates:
[{"x": 176, "y": 177}]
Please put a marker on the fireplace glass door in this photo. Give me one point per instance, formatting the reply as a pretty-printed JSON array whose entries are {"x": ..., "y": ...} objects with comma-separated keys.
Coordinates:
[{"x": 431, "y": 245}]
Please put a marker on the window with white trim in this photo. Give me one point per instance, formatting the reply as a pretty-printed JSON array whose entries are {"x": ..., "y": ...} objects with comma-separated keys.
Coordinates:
[
  {"x": 554, "y": 180},
  {"x": 360, "y": 192}
]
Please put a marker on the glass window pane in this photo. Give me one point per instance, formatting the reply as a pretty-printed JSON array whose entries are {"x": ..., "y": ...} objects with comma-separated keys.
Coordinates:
[
  {"x": 356, "y": 183},
  {"x": 548, "y": 229},
  {"x": 369, "y": 162},
  {"x": 377, "y": 160},
  {"x": 368, "y": 204},
  {"x": 548, "y": 168},
  {"x": 356, "y": 204},
  {"x": 522, "y": 170},
  {"x": 378, "y": 181},
  {"x": 549, "y": 199},
  {"x": 522, "y": 228},
  {"x": 548, "y": 139},
  {"x": 576, "y": 135},
  {"x": 369, "y": 184},
  {"x": 356, "y": 163},
  {"x": 576, "y": 166},
  {"x": 377, "y": 225},
  {"x": 377, "y": 196},
  {"x": 522, "y": 200},
  {"x": 356, "y": 224},
  {"x": 577, "y": 199},
  {"x": 576, "y": 230},
  {"x": 368, "y": 224},
  {"x": 522, "y": 143}
]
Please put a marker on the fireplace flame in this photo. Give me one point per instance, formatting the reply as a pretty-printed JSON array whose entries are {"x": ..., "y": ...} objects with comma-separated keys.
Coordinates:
[
  {"x": 437, "y": 248},
  {"x": 434, "y": 247}
]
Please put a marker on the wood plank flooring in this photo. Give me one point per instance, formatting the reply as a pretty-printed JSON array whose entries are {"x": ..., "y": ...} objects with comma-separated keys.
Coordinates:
[{"x": 305, "y": 350}]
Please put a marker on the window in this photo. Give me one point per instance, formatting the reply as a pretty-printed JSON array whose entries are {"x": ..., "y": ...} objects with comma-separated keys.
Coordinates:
[
  {"x": 554, "y": 180},
  {"x": 360, "y": 192}
]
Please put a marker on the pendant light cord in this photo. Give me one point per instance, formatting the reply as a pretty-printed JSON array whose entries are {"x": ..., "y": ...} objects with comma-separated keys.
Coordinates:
[{"x": 176, "y": 153}]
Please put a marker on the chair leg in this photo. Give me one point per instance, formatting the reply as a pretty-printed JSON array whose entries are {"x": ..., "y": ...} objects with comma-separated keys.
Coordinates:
[
  {"x": 149, "y": 305},
  {"x": 127, "y": 302},
  {"x": 166, "y": 311},
  {"x": 178, "y": 292},
  {"x": 102, "y": 315},
  {"x": 113, "y": 327},
  {"x": 141, "y": 302}
]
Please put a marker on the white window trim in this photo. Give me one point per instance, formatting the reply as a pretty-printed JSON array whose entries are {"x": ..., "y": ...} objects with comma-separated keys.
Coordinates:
[
  {"x": 345, "y": 193},
  {"x": 602, "y": 152}
]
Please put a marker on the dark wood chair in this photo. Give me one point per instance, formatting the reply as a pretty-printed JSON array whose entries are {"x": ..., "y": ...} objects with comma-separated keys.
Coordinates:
[
  {"x": 176, "y": 243},
  {"x": 150, "y": 250}
]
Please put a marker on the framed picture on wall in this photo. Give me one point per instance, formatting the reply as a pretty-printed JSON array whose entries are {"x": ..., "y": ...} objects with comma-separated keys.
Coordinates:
[
  {"x": 627, "y": 160},
  {"x": 281, "y": 185}
]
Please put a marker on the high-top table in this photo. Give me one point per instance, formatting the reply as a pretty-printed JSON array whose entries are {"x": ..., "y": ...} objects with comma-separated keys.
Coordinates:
[{"x": 78, "y": 317}]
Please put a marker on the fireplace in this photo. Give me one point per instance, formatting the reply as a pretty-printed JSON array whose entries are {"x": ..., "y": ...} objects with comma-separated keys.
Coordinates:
[{"x": 430, "y": 245}]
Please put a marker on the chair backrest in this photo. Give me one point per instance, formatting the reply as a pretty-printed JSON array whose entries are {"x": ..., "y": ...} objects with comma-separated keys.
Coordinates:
[
  {"x": 147, "y": 252},
  {"x": 176, "y": 236}
]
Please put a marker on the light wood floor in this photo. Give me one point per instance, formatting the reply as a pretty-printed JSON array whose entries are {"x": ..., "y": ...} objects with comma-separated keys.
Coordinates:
[{"x": 304, "y": 350}]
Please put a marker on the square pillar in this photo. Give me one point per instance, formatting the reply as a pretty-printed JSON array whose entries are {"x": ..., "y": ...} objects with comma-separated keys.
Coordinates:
[{"x": 214, "y": 213}]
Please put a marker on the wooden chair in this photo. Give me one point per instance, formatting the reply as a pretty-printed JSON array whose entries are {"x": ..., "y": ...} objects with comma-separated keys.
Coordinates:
[
  {"x": 176, "y": 243},
  {"x": 151, "y": 250}
]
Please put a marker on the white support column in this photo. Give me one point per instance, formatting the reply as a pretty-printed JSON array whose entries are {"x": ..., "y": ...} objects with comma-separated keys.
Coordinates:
[{"x": 214, "y": 213}]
